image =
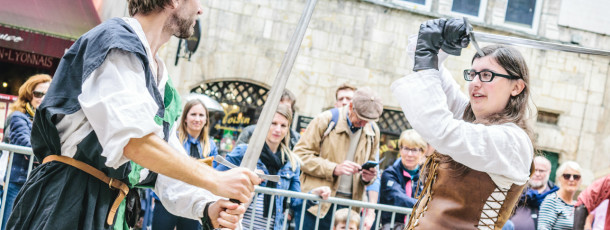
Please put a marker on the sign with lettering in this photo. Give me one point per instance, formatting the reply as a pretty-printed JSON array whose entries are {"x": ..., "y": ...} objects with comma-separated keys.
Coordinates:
[
  {"x": 26, "y": 58},
  {"x": 302, "y": 123},
  {"x": 8, "y": 38},
  {"x": 227, "y": 128},
  {"x": 32, "y": 42}
]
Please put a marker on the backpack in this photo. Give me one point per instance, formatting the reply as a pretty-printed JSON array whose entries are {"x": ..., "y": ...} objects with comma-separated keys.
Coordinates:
[{"x": 332, "y": 123}]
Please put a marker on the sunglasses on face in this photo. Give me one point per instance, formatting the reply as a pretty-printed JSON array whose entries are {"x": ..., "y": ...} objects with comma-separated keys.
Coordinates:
[
  {"x": 485, "y": 75},
  {"x": 567, "y": 176},
  {"x": 38, "y": 94}
]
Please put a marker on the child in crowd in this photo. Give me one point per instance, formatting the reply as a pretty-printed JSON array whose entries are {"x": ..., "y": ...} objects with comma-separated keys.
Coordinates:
[{"x": 341, "y": 219}]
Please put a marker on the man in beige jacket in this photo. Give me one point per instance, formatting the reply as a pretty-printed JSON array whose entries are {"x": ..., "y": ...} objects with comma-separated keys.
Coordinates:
[{"x": 332, "y": 155}]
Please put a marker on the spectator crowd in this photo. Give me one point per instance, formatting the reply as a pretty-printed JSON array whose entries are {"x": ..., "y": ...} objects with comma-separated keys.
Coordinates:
[
  {"x": 336, "y": 156},
  {"x": 327, "y": 161}
]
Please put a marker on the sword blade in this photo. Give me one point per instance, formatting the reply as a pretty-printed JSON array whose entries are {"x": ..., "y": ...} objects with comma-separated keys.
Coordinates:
[
  {"x": 255, "y": 145},
  {"x": 507, "y": 40},
  {"x": 221, "y": 160}
]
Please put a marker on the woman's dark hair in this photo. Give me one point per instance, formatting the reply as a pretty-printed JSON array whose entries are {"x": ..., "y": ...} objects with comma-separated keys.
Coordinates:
[
  {"x": 146, "y": 6},
  {"x": 517, "y": 109}
]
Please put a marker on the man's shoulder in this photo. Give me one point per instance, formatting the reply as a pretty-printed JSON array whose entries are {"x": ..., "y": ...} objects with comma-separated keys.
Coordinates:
[
  {"x": 322, "y": 118},
  {"x": 116, "y": 26},
  {"x": 111, "y": 34}
]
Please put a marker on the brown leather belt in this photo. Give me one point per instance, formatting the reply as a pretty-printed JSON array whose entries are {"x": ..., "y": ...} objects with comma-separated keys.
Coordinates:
[{"x": 112, "y": 183}]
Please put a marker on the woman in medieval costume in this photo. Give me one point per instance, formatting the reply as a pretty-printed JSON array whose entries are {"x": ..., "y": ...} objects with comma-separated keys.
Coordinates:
[{"x": 484, "y": 139}]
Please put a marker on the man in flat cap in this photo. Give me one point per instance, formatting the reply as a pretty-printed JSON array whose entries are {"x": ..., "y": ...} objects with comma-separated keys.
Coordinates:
[{"x": 333, "y": 148}]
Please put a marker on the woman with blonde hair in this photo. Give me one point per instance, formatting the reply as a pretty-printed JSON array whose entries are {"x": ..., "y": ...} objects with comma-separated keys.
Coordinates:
[
  {"x": 483, "y": 137},
  {"x": 400, "y": 182},
  {"x": 31, "y": 94},
  {"x": 194, "y": 130},
  {"x": 557, "y": 209},
  {"x": 193, "y": 134},
  {"x": 276, "y": 159}
]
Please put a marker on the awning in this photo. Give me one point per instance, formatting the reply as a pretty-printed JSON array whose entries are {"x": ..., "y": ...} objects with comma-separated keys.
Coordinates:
[
  {"x": 60, "y": 18},
  {"x": 45, "y": 27},
  {"x": 30, "y": 42}
]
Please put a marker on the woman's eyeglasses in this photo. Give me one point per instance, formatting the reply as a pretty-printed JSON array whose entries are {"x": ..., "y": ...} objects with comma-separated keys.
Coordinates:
[
  {"x": 407, "y": 149},
  {"x": 38, "y": 94},
  {"x": 567, "y": 176},
  {"x": 484, "y": 76}
]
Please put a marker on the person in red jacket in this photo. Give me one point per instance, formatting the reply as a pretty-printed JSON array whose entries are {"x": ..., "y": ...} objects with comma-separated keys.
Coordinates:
[{"x": 589, "y": 199}]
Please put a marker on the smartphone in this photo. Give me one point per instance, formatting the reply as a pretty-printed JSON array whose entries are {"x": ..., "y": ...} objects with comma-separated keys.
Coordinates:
[{"x": 369, "y": 164}]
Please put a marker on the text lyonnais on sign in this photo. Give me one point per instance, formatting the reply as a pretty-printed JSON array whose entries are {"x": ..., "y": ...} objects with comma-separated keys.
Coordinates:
[{"x": 26, "y": 58}]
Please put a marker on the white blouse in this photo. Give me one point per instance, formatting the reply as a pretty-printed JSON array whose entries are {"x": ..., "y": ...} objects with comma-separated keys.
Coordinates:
[
  {"x": 433, "y": 104},
  {"x": 116, "y": 104}
]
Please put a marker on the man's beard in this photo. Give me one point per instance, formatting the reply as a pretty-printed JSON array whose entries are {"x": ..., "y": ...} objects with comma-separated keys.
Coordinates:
[
  {"x": 185, "y": 26},
  {"x": 536, "y": 184}
]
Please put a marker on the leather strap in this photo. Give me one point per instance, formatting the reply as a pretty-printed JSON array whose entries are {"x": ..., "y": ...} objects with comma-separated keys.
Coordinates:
[{"x": 112, "y": 183}]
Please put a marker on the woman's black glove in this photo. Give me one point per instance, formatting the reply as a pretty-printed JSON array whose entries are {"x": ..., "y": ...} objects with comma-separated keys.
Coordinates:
[{"x": 450, "y": 35}]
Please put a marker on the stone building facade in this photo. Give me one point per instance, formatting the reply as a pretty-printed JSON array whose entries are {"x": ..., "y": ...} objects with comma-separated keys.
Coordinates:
[{"x": 364, "y": 42}]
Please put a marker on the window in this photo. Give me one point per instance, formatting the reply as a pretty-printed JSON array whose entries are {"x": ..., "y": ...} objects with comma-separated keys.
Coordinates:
[
  {"x": 520, "y": 11},
  {"x": 421, "y": 2},
  {"x": 548, "y": 117},
  {"x": 466, "y": 7},
  {"x": 474, "y": 9},
  {"x": 423, "y": 5},
  {"x": 523, "y": 15},
  {"x": 391, "y": 124}
]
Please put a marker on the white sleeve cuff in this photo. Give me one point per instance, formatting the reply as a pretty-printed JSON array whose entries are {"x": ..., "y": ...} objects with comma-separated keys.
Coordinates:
[{"x": 182, "y": 199}]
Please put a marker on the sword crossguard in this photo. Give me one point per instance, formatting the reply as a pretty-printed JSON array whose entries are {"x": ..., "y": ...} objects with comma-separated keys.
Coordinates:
[
  {"x": 221, "y": 160},
  {"x": 470, "y": 33}
]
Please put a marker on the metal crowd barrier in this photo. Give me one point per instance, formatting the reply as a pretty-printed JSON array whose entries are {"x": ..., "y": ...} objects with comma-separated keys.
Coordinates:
[
  {"x": 12, "y": 149},
  {"x": 333, "y": 200}
]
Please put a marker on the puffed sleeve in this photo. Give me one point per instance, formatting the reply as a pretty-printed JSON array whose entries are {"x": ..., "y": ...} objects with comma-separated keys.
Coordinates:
[
  {"x": 117, "y": 104},
  {"x": 504, "y": 151}
]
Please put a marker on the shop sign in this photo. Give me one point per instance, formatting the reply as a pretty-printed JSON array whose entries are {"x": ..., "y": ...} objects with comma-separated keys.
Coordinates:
[
  {"x": 232, "y": 123},
  {"x": 6, "y": 97},
  {"x": 302, "y": 123},
  {"x": 32, "y": 42},
  {"x": 233, "y": 119},
  {"x": 26, "y": 58},
  {"x": 8, "y": 38}
]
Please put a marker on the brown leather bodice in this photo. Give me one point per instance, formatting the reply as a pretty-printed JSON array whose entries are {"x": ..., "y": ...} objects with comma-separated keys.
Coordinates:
[{"x": 455, "y": 196}]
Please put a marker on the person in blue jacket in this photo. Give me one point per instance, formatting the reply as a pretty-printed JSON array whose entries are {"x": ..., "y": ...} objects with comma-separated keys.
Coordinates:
[
  {"x": 193, "y": 133},
  {"x": 276, "y": 159},
  {"x": 400, "y": 181},
  {"x": 30, "y": 96}
]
